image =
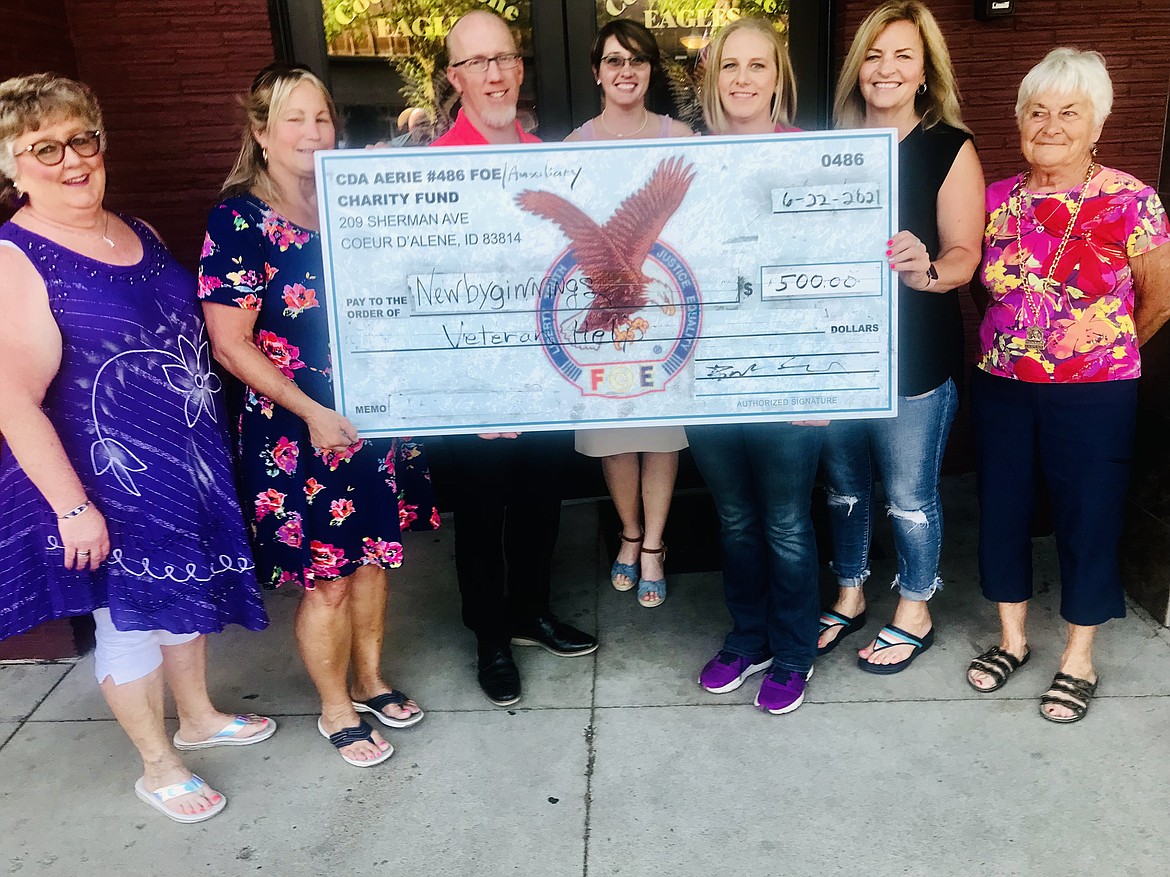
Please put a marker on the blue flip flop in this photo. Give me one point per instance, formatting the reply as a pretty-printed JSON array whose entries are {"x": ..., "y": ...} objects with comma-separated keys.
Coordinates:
[
  {"x": 360, "y": 732},
  {"x": 379, "y": 702},
  {"x": 831, "y": 619},
  {"x": 890, "y": 636}
]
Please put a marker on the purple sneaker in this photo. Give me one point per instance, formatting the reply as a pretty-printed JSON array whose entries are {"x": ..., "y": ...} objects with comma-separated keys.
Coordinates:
[
  {"x": 782, "y": 691},
  {"x": 726, "y": 671}
]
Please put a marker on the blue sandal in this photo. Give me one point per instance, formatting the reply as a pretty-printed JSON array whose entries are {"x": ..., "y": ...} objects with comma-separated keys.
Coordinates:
[
  {"x": 890, "y": 636},
  {"x": 358, "y": 733},
  {"x": 628, "y": 570},
  {"x": 657, "y": 586},
  {"x": 379, "y": 702}
]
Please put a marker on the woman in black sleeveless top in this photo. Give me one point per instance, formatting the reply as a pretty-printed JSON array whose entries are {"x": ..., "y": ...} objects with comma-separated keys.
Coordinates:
[{"x": 898, "y": 75}]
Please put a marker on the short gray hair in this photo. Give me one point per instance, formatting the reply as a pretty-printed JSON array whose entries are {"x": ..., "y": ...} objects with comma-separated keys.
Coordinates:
[{"x": 1072, "y": 72}]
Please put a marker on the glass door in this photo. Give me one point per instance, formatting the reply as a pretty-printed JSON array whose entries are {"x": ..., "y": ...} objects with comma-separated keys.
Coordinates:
[
  {"x": 684, "y": 28},
  {"x": 384, "y": 60}
]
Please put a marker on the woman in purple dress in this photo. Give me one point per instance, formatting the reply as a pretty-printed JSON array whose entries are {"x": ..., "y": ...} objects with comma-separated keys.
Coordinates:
[
  {"x": 116, "y": 491},
  {"x": 326, "y": 508}
]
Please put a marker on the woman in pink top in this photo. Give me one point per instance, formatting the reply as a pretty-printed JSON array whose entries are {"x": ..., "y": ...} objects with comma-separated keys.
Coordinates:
[
  {"x": 640, "y": 464},
  {"x": 1078, "y": 272}
]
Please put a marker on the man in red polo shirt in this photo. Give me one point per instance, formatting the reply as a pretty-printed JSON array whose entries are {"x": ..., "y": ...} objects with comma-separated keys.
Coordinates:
[{"x": 505, "y": 489}]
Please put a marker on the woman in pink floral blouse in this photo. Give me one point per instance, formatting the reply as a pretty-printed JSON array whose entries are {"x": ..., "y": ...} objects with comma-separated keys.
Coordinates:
[
  {"x": 327, "y": 508},
  {"x": 1077, "y": 269}
]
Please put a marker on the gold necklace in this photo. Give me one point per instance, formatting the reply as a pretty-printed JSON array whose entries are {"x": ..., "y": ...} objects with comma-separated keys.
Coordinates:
[
  {"x": 645, "y": 122},
  {"x": 1034, "y": 339},
  {"x": 85, "y": 232}
]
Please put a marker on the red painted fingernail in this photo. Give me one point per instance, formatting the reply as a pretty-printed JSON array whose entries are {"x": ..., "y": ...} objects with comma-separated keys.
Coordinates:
[
  {"x": 889, "y": 252},
  {"x": 892, "y": 268}
]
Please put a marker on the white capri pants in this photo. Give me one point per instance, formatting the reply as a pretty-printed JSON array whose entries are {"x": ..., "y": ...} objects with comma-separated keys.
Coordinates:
[{"x": 129, "y": 655}]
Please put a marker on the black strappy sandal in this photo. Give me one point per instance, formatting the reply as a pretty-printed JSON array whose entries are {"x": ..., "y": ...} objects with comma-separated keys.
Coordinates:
[
  {"x": 1071, "y": 693},
  {"x": 998, "y": 664}
]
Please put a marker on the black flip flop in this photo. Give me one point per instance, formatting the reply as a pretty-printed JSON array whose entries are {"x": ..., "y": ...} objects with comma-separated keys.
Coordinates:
[
  {"x": 379, "y": 702},
  {"x": 359, "y": 732},
  {"x": 831, "y": 619},
  {"x": 897, "y": 637}
]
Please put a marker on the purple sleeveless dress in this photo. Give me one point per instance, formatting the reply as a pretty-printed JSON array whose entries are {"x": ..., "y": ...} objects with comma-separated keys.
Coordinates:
[{"x": 139, "y": 413}]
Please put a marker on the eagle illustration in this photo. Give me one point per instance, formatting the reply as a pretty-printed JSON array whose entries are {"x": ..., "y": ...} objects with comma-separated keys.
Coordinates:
[{"x": 612, "y": 255}]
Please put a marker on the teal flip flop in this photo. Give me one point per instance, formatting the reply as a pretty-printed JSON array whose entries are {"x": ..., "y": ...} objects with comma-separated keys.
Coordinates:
[
  {"x": 831, "y": 619},
  {"x": 890, "y": 636}
]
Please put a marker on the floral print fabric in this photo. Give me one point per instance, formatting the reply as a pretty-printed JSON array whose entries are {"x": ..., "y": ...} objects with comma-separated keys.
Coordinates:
[
  {"x": 1086, "y": 314},
  {"x": 315, "y": 514}
]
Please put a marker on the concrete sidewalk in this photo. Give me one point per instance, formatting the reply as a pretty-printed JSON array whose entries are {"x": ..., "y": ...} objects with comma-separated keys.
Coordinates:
[{"x": 618, "y": 763}]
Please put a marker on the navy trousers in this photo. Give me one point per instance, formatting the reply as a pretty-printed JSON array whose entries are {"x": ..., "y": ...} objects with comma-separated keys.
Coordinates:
[{"x": 1080, "y": 438}]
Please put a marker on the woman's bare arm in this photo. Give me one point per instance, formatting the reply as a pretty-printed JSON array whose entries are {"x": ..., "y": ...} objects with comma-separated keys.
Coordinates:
[
  {"x": 960, "y": 231},
  {"x": 1151, "y": 282},
  {"x": 231, "y": 330},
  {"x": 30, "y": 357}
]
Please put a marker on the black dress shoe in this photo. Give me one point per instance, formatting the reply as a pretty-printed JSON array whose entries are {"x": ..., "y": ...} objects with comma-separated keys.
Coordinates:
[
  {"x": 498, "y": 676},
  {"x": 556, "y": 636}
]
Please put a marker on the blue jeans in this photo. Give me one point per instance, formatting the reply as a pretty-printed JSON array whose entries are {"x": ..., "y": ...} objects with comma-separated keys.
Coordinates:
[
  {"x": 761, "y": 478},
  {"x": 907, "y": 451}
]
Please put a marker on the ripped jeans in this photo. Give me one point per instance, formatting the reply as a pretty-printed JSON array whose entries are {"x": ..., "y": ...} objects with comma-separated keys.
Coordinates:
[{"x": 907, "y": 451}]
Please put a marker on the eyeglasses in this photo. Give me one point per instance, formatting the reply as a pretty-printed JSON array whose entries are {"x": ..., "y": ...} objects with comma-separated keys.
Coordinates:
[
  {"x": 617, "y": 62},
  {"x": 50, "y": 153},
  {"x": 479, "y": 64}
]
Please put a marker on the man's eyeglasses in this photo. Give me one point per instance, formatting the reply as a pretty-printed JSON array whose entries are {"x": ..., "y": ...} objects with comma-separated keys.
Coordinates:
[
  {"x": 50, "y": 153},
  {"x": 617, "y": 62},
  {"x": 479, "y": 64}
]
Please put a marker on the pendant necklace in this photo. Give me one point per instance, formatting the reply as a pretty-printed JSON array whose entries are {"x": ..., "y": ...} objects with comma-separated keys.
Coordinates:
[
  {"x": 85, "y": 232},
  {"x": 1034, "y": 339},
  {"x": 645, "y": 122}
]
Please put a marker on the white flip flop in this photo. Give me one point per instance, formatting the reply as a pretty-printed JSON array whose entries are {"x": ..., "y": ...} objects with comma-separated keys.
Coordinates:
[
  {"x": 158, "y": 798},
  {"x": 376, "y": 704},
  {"x": 346, "y": 736},
  {"x": 227, "y": 737}
]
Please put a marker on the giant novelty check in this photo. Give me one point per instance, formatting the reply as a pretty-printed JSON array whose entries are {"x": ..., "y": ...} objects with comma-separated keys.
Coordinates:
[{"x": 705, "y": 280}]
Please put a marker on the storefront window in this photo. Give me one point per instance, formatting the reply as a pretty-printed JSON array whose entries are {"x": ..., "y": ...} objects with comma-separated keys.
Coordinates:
[
  {"x": 683, "y": 28},
  {"x": 407, "y": 36}
]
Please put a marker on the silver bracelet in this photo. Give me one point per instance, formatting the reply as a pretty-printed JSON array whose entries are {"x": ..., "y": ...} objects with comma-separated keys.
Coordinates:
[{"x": 73, "y": 513}]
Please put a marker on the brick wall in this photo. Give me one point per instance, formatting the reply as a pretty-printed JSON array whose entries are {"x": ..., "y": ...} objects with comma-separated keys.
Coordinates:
[
  {"x": 991, "y": 58},
  {"x": 167, "y": 73},
  {"x": 36, "y": 38}
]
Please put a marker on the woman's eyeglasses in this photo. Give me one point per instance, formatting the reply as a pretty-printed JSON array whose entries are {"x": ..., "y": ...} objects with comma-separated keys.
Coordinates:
[
  {"x": 50, "y": 153},
  {"x": 617, "y": 62}
]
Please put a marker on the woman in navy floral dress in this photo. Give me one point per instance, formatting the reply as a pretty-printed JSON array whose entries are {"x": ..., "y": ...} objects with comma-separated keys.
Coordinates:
[{"x": 326, "y": 508}]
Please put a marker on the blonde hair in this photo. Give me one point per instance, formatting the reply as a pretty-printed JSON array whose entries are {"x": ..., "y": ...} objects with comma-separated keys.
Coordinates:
[
  {"x": 1069, "y": 72},
  {"x": 28, "y": 103},
  {"x": 783, "y": 103},
  {"x": 265, "y": 100},
  {"x": 940, "y": 103}
]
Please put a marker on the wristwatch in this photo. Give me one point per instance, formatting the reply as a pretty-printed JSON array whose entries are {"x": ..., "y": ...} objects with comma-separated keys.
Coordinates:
[{"x": 932, "y": 273}]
